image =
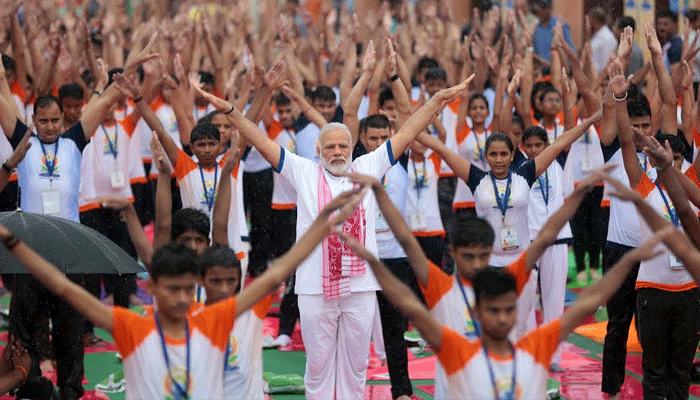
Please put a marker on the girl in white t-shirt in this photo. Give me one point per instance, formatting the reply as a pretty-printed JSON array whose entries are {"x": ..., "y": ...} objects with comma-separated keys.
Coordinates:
[{"x": 501, "y": 195}]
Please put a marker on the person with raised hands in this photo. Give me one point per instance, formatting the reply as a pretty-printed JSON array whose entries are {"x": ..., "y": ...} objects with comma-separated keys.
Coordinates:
[
  {"x": 170, "y": 352},
  {"x": 668, "y": 298},
  {"x": 489, "y": 364},
  {"x": 335, "y": 289}
]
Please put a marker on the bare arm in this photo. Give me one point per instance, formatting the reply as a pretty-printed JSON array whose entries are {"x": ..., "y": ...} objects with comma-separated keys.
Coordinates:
[
  {"x": 459, "y": 165},
  {"x": 669, "y": 121},
  {"x": 352, "y": 102},
  {"x": 222, "y": 202},
  {"x": 549, "y": 154},
  {"x": 53, "y": 279}
]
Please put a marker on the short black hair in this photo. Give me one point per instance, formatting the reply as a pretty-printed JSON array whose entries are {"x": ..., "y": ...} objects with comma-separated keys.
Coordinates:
[
  {"x": 174, "y": 259},
  {"x": 638, "y": 109},
  {"x": 546, "y": 90},
  {"x": 436, "y": 73},
  {"x": 385, "y": 95},
  {"x": 8, "y": 63},
  {"x": 598, "y": 14},
  {"x": 222, "y": 256},
  {"x": 206, "y": 78},
  {"x": 377, "y": 121},
  {"x": 472, "y": 231},
  {"x": 204, "y": 130},
  {"x": 71, "y": 91},
  {"x": 186, "y": 219},
  {"x": 209, "y": 117},
  {"x": 537, "y": 88},
  {"x": 536, "y": 131},
  {"x": 625, "y": 21},
  {"x": 499, "y": 137},
  {"x": 518, "y": 120},
  {"x": 282, "y": 100},
  {"x": 667, "y": 14},
  {"x": 674, "y": 141},
  {"x": 478, "y": 96},
  {"x": 45, "y": 101},
  {"x": 324, "y": 93},
  {"x": 492, "y": 282},
  {"x": 692, "y": 14},
  {"x": 427, "y": 63}
]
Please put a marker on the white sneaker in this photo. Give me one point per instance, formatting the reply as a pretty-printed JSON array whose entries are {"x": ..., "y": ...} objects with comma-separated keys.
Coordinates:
[
  {"x": 282, "y": 341},
  {"x": 268, "y": 342}
]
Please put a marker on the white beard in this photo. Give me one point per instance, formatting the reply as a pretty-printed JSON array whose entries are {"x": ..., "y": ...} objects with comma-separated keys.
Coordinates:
[{"x": 337, "y": 169}]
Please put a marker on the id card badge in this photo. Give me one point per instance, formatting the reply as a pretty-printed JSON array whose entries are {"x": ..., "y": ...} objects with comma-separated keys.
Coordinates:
[
  {"x": 509, "y": 238},
  {"x": 418, "y": 222},
  {"x": 117, "y": 179},
  {"x": 51, "y": 201},
  {"x": 675, "y": 262},
  {"x": 381, "y": 225}
]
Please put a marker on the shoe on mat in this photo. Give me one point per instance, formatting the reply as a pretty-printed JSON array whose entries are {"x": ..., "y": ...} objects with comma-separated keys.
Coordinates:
[
  {"x": 282, "y": 341},
  {"x": 115, "y": 383}
]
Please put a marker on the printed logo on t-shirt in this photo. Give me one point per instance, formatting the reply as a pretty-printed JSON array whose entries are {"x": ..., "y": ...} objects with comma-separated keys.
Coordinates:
[
  {"x": 469, "y": 328},
  {"x": 422, "y": 177},
  {"x": 505, "y": 391},
  {"x": 502, "y": 194},
  {"x": 291, "y": 147},
  {"x": 233, "y": 348},
  {"x": 171, "y": 389},
  {"x": 106, "y": 148},
  {"x": 173, "y": 123},
  {"x": 209, "y": 192},
  {"x": 48, "y": 161}
]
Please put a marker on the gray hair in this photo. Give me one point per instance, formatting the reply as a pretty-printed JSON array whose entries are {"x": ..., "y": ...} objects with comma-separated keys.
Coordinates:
[{"x": 332, "y": 127}]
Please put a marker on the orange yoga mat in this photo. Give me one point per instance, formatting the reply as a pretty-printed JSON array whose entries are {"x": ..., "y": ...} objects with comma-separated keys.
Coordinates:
[{"x": 596, "y": 332}]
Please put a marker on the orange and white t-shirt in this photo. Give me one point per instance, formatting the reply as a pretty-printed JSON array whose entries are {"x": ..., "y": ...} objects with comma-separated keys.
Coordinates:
[
  {"x": 138, "y": 341},
  {"x": 198, "y": 189},
  {"x": 112, "y": 151},
  {"x": 468, "y": 375},
  {"x": 444, "y": 298},
  {"x": 166, "y": 115},
  {"x": 665, "y": 271},
  {"x": 471, "y": 146}
]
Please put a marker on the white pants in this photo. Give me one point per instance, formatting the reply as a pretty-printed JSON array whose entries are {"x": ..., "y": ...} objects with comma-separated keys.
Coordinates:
[
  {"x": 336, "y": 335},
  {"x": 554, "y": 268},
  {"x": 526, "y": 321},
  {"x": 378, "y": 335}
]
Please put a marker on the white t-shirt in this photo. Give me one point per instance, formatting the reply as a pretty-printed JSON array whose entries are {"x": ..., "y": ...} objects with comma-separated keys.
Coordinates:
[
  {"x": 512, "y": 231},
  {"x": 46, "y": 190},
  {"x": 471, "y": 146},
  {"x": 284, "y": 195},
  {"x": 306, "y": 142},
  {"x": 551, "y": 185},
  {"x": 304, "y": 175},
  {"x": 422, "y": 209},
  {"x": 395, "y": 183},
  {"x": 166, "y": 115}
]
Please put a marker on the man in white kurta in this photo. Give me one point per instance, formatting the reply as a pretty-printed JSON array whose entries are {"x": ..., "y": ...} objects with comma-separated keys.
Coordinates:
[{"x": 336, "y": 323}]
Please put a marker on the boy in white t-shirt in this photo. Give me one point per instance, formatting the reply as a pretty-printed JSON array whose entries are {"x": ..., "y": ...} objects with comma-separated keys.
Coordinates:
[{"x": 515, "y": 370}]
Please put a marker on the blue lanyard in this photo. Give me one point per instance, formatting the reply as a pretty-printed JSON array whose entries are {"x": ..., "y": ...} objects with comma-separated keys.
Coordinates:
[
  {"x": 210, "y": 201},
  {"x": 496, "y": 395},
  {"x": 586, "y": 137},
  {"x": 183, "y": 391},
  {"x": 671, "y": 212},
  {"x": 477, "y": 330},
  {"x": 646, "y": 163},
  {"x": 112, "y": 145},
  {"x": 502, "y": 201},
  {"x": 482, "y": 150},
  {"x": 419, "y": 182},
  {"x": 50, "y": 165},
  {"x": 545, "y": 194}
]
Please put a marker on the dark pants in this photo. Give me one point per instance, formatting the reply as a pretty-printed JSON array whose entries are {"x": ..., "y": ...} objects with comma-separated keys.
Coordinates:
[
  {"x": 621, "y": 308},
  {"x": 30, "y": 301},
  {"x": 446, "y": 194},
  {"x": 586, "y": 226},
  {"x": 394, "y": 324},
  {"x": 8, "y": 197},
  {"x": 285, "y": 222},
  {"x": 434, "y": 249},
  {"x": 257, "y": 198},
  {"x": 668, "y": 324},
  {"x": 109, "y": 223}
]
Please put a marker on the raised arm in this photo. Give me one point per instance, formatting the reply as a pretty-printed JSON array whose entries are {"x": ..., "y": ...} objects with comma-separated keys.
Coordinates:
[
  {"x": 591, "y": 298},
  {"x": 424, "y": 116},
  {"x": 15, "y": 158},
  {"x": 668, "y": 119},
  {"x": 401, "y": 296},
  {"x": 56, "y": 281},
  {"x": 144, "y": 249},
  {"x": 311, "y": 113},
  {"x": 352, "y": 102},
  {"x": 222, "y": 202},
  {"x": 459, "y": 165},
  {"x": 269, "y": 149},
  {"x": 344, "y": 203},
  {"x": 549, "y": 154},
  {"x": 8, "y": 109},
  {"x": 397, "y": 224}
]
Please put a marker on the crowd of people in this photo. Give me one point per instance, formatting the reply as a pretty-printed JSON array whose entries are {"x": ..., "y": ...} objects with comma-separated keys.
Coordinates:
[{"x": 400, "y": 169}]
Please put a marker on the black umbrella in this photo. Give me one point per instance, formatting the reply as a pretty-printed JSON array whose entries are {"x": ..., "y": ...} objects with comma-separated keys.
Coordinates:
[{"x": 71, "y": 247}]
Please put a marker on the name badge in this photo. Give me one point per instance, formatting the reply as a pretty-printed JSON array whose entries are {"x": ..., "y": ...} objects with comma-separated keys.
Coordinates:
[
  {"x": 51, "y": 201},
  {"x": 381, "y": 226},
  {"x": 418, "y": 222},
  {"x": 675, "y": 262},
  {"x": 117, "y": 179},
  {"x": 509, "y": 238}
]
